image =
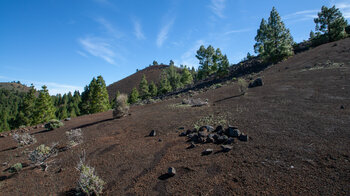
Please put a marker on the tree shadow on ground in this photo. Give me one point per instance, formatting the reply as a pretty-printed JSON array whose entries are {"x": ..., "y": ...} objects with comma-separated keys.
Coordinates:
[
  {"x": 93, "y": 123},
  {"x": 7, "y": 149},
  {"x": 165, "y": 176},
  {"x": 220, "y": 100}
]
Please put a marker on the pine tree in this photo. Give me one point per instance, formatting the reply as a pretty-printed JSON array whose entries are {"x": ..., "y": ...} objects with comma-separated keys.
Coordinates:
[
  {"x": 274, "y": 42},
  {"x": 173, "y": 77},
  {"x": 4, "y": 126},
  {"x": 134, "y": 96},
  {"x": 331, "y": 22},
  {"x": 84, "y": 105},
  {"x": 186, "y": 77},
  {"x": 99, "y": 101},
  {"x": 194, "y": 73},
  {"x": 44, "y": 108},
  {"x": 205, "y": 57},
  {"x": 77, "y": 101},
  {"x": 26, "y": 110},
  {"x": 312, "y": 35},
  {"x": 62, "y": 112},
  {"x": 223, "y": 66},
  {"x": 153, "y": 90},
  {"x": 144, "y": 93},
  {"x": 164, "y": 86}
]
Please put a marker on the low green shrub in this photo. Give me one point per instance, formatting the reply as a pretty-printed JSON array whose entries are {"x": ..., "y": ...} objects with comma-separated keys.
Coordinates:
[
  {"x": 242, "y": 85},
  {"x": 75, "y": 137},
  {"x": 89, "y": 182},
  {"x": 121, "y": 106},
  {"x": 53, "y": 124},
  {"x": 24, "y": 139},
  {"x": 16, "y": 168},
  {"x": 41, "y": 153}
]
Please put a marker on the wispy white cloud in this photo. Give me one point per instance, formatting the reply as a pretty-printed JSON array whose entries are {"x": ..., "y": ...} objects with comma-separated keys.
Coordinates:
[
  {"x": 98, "y": 47},
  {"x": 111, "y": 30},
  {"x": 163, "y": 33},
  {"x": 301, "y": 15},
  {"x": 344, "y": 7},
  {"x": 237, "y": 31},
  {"x": 217, "y": 7},
  {"x": 189, "y": 57},
  {"x": 138, "y": 30},
  {"x": 81, "y": 53}
]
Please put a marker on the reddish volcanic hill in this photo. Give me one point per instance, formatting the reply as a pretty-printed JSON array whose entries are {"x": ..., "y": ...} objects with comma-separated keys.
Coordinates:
[
  {"x": 13, "y": 86},
  {"x": 125, "y": 85},
  {"x": 298, "y": 126}
]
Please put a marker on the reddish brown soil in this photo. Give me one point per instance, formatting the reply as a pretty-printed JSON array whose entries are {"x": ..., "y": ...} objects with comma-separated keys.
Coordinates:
[
  {"x": 299, "y": 140},
  {"x": 125, "y": 85}
]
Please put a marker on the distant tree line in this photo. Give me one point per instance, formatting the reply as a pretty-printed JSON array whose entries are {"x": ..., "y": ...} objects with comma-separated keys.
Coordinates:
[{"x": 35, "y": 107}]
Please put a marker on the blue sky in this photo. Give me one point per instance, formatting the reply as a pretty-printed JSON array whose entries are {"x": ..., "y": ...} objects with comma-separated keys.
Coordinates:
[{"x": 65, "y": 43}]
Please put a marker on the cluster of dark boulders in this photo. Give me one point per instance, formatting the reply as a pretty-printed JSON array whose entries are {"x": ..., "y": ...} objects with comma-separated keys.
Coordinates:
[{"x": 219, "y": 135}]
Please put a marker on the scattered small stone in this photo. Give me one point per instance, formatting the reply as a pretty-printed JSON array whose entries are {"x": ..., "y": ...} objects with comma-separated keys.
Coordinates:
[
  {"x": 4, "y": 163},
  {"x": 210, "y": 138},
  {"x": 182, "y": 134},
  {"x": 257, "y": 82},
  {"x": 153, "y": 133},
  {"x": 181, "y": 128},
  {"x": 220, "y": 132},
  {"x": 202, "y": 140},
  {"x": 243, "y": 137},
  {"x": 44, "y": 166},
  {"x": 232, "y": 132},
  {"x": 67, "y": 119},
  {"x": 160, "y": 140},
  {"x": 188, "y": 131},
  {"x": 222, "y": 139},
  {"x": 207, "y": 151},
  {"x": 342, "y": 107},
  {"x": 230, "y": 140},
  {"x": 59, "y": 171},
  {"x": 193, "y": 145},
  {"x": 209, "y": 128},
  {"x": 194, "y": 138},
  {"x": 218, "y": 128},
  {"x": 226, "y": 148},
  {"x": 203, "y": 133},
  {"x": 171, "y": 171}
]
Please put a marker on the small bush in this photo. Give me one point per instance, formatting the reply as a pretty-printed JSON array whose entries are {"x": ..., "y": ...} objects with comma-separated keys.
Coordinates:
[
  {"x": 53, "y": 124},
  {"x": 121, "y": 106},
  {"x": 75, "y": 137},
  {"x": 243, "y": 85},
  {"x": 24, "y": 139},
  {"x": 41, "y": 153},
  {"x": 194, "y": 102},
  {"x": 89, "y": 182},
  {"x": 16, "y": 168}
]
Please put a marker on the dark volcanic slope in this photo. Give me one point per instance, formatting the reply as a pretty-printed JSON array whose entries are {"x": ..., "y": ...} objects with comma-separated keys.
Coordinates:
[
  {"x": 299, "y": 139},
  {"x": 125, "y": 85}
]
